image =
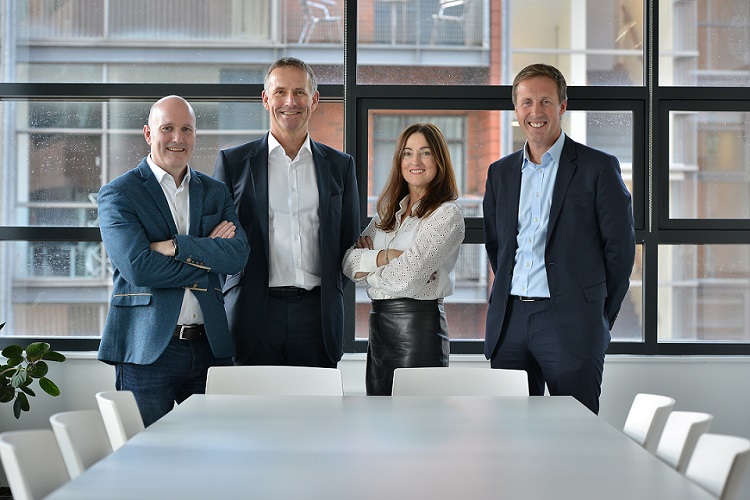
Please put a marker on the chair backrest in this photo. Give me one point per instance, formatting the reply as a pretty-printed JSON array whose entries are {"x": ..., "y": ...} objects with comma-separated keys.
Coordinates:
[
  {"x": 680, "y": 434},
  {"x": 275, "y": 380},
  {"x": 121, "y": 416},
  {"x": 32, "y": 462},
  {"x": 82, "y": 438},
  {"x": 719, "y": 464},
  {"x": 646, "y": 419},
  {"x": 441, "y": 381}
]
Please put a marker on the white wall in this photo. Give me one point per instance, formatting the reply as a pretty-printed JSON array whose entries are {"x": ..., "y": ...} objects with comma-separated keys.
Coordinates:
[{"x": 717, "y": 385}]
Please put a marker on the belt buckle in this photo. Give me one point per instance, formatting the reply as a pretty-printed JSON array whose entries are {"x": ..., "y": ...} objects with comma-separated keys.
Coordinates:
[
  {"x": 182, "y": 331},
  {"x": 525, "y": 299}
]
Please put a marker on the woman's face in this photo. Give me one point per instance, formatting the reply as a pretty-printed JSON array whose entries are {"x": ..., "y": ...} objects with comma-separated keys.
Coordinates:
[{"x": 418, "y": 166}]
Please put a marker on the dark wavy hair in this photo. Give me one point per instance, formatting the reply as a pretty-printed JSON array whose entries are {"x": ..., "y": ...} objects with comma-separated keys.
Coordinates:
[
  {"x": 442, "y": 188},
  {"x": 534, "y": 70}
]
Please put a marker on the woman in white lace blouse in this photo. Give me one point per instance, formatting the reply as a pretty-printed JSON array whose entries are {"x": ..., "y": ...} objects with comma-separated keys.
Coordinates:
[{"x": 406, "y": 256}]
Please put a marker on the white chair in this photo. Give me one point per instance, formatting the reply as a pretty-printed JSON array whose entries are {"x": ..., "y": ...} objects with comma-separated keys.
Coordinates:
[
  {"x": 646, "y": 419},
  {"x": 32, "y": 462},
  {"x": 446, "y": 381},
  {"x": 121, "y": 416},
  {"x": 719, "y": 464},
  {"x": 318, "y": 12},
  {"x": 274, "y": 380},
  {"x": 82, "y": 438},
  {"x": 449, "y": 11},
  {"x": 681, "y": 432}
]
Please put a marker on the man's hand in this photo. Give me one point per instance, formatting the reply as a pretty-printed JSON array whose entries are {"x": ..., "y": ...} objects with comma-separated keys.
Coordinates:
[
  {"x": 165, "y": 247},
  {"x": 364, "y": 242},
  {"x": 225, "y": 229}
]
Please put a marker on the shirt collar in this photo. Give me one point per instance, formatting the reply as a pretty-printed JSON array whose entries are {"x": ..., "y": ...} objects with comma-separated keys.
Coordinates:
[
  {"x": 160, "y": 173},
  {"x": 552, "y": 153},
  {"x": 274, "y": 144}
]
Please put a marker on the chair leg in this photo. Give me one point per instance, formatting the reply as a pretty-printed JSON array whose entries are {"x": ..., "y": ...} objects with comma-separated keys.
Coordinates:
[
  {"x": 435, "y": 27},
  {"x": 310, "y": 31},
  {"x": 303, "y": 34}
]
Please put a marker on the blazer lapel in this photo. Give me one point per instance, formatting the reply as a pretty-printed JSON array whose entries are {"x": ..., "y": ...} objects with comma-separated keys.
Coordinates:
[
  {"x": 157, "y": 195},
  {"x": 565, "y": 172},
  {"x": 513, "y": 195},
  {"x": 322, "y": 166},
  {"x": 196, "y": 205},
  {"x": 257, "y": 164}
]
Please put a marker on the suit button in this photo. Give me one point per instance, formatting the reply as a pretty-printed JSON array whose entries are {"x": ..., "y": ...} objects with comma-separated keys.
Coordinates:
[
  {"x": 189, "y": 260},
  {"x": 195, "y": 285}
]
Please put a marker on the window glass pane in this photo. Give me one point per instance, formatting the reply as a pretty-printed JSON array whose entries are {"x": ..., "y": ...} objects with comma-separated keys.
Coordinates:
[
  {"x": 629, "y": 324},
  {"x": 55, "y": 157},
  {"x": 478, "y": 138},
  {"x": 704, "y": 293},
  {"x": 163, "y": 41},
  {"x": 54, "y": 288},
  {"x": 485, "y": 42},
  {"x": 709, "y": 166},
  {"x": 704, "y": 43}
]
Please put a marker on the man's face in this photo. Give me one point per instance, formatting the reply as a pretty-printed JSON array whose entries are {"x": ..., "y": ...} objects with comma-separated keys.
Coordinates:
[
  {"x": 289, "y": 101},
  {"x": 171, "y": 134},
  {"x": 538, "y": 109}
]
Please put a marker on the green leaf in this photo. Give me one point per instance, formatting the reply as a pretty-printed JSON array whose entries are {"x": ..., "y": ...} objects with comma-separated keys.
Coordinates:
[
  {"x": 54, "y": 356},
  {"x": 15, "y": 361},
  {"x": 12, "y": 351},
  {"x": 21, "y": 404},
  {"x": 36, "y": 350},
  {"x": 7, "y": 393},
  {"x": 19, "y": 378},
  {"x": 28, "y": 390},
  {"x": 38, "y": 369},
  {"x": 49, "y": 387}
]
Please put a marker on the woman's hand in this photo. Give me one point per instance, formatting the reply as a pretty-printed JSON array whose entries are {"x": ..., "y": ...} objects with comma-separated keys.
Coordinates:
[{"x": 364, "y": 242}]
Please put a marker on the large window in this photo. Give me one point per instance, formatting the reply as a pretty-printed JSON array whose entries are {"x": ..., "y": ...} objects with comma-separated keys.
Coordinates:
[{"x": 662, "y": 84}]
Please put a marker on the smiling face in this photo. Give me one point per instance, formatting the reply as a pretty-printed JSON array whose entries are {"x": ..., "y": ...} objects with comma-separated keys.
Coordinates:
[
  {"x": 418, "y": 166},
  {"x": 538, "y": 109},
  {"x": 171, "y": 134},
  {"x": 290, "y": 103}
]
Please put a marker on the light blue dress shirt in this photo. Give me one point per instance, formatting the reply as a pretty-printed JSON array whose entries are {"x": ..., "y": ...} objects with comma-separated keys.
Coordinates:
[{"x": 537, "y": 183}]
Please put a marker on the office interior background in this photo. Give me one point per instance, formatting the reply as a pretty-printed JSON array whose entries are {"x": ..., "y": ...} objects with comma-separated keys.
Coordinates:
[{"x": 662, "y": 84}]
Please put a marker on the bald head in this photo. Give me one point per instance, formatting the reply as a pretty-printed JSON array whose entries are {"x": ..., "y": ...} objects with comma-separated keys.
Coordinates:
[{"x": 171, "y": 134}]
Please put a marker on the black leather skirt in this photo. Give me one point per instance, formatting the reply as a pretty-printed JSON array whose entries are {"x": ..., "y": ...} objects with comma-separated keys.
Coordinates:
[{"x": 404, "y": 333}]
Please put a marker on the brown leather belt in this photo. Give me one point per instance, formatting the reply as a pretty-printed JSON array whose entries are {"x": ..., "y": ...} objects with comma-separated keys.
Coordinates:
[{"x": 189, "y": 332}]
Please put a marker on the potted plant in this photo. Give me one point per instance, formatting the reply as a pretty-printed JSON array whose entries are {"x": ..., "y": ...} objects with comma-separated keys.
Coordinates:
[{"x": 21, "y": 368}]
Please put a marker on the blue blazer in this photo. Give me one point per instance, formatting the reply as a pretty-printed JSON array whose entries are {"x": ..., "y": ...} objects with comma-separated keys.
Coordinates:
[
  {"x": 149, "y": 286},
  {"x": 244, "y": 169},
  {"x": 590, "y": 245}
]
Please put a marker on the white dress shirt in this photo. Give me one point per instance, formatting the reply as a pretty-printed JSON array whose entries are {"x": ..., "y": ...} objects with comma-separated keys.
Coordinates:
[
  {"x": 293, "y": 218},
  {"x": 425, "y": 270},
  {"x": 178, "y": 199}
]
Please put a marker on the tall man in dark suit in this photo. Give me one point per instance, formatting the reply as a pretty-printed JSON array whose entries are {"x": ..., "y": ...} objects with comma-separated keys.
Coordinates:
[
  {"x": 297, "y": 200},
  {"x": 559, "y": 235},
  {"x": 169, "y": 231}
]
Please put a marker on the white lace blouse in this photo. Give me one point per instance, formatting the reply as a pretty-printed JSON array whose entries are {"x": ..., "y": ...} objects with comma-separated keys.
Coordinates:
[{"x": 425, "y": 270}]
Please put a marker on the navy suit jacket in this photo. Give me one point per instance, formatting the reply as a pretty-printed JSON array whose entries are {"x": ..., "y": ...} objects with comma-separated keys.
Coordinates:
[
  {"x": 589, "y": 251},
  {"x": 244, "y": 169},
  {"x": 148, "y": 286}
]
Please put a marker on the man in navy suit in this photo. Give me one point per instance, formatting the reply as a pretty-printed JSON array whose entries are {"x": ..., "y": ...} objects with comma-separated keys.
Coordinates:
[
  {"x": 297, "y": 200},
  {"x": 559, "y": 234},
  {"x": 169, "y": 231}
]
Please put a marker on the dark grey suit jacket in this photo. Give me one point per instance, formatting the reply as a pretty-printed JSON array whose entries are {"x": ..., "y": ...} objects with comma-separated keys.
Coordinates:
[
  {"x": 244, "y": 169},
  {"x": 590, "y": 245}
]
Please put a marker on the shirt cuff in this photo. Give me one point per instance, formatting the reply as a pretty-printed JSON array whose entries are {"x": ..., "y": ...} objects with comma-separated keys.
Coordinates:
[{"x": 368, "y": 261}]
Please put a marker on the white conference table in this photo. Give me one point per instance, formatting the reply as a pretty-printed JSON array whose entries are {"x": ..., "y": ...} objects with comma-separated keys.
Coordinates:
[{"x": 358, "y": 447}]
